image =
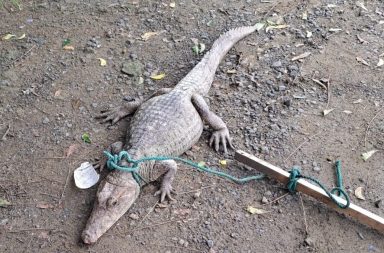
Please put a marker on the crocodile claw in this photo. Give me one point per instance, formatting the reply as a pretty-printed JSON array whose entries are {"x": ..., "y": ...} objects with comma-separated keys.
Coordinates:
[
  {"x": 113, "y": 115},
  {"x": 221, "y": 136},
  {"x": 165, "y": 191}
]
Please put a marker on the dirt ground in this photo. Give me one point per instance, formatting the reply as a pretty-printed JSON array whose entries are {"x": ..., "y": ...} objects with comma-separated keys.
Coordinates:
[{"x": 49, "y": 97}]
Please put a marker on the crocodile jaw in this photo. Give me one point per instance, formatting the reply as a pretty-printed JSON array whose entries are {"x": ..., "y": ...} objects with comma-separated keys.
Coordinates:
[{"x": 111, "y": 203}]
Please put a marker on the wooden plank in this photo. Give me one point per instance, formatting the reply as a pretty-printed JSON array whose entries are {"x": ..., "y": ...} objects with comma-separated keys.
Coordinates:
[{"x": 354, "y": 211}]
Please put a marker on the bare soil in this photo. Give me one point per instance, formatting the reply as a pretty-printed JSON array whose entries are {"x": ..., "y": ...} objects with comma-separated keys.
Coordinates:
[{"x": 49, "y": 97}]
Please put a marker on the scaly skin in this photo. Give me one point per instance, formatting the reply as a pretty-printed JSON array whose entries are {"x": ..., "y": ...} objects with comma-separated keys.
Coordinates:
[{"x": 167, "y": 124}]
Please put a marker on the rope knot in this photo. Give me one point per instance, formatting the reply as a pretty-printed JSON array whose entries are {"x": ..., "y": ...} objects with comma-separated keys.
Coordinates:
[{"x": 294, "y": 176}]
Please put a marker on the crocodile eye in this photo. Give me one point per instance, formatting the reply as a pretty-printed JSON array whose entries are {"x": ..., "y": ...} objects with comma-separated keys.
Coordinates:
[{"x": 111, "y": 202}]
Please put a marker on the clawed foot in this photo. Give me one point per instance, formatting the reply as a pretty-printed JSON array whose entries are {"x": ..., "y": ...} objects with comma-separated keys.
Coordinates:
[
  {"x": 113, "y": 115},
  {"x": 165, "y": 191},
  {"x": 119, "y": 112},
  {"x": 221, "y": 136}
]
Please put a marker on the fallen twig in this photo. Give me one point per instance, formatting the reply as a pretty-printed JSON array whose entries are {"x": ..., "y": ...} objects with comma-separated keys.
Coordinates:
[
  {"x": 304, "y": 214},
  {"x": 65, "y": 185},
  {"x": 328, "y": 92},
  {"x": 196, "y": 190},
  {"x": 182, "y": 249},
  {"x": 159, "y": 224},
  {"x": 22, "y": 56},
  {"x": 146, "y": 215},
  {"x": 30, "y": 229},
  {"x": 319, "y": 83},
  {"x": 277, "y": 199},
  {"x": 298, "y": 147},
  {"x": 4, "y": 137},
  {"x": 369, "y": 125}
]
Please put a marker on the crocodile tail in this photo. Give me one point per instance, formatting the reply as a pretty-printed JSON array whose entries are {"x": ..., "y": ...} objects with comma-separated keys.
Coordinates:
[
  {"x": 224, "y": 43},
  {"x": 200, "y": 78}
]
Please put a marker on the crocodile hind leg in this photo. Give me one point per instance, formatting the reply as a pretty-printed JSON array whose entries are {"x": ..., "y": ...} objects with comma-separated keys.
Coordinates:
[
  {"x": 170, "y": 168},
  {"x": 220, "y": 133}
]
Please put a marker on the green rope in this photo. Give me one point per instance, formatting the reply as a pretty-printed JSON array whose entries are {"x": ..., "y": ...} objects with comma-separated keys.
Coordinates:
[
  {"x": 113, "y": 161},
  {"x": 296, "y": 175},
  {"x": 339, "y": 179}
]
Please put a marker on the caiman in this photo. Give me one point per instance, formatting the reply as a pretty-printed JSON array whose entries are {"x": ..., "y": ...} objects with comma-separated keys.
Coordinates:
[{"x": 167, "y": 124}]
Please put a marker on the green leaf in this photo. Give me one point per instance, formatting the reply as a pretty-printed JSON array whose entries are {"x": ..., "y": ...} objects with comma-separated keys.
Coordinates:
[
  {"x": 4, "y": 203},
  {"x": 85, "y": 137},
  {"x": 66, "y": 42}
]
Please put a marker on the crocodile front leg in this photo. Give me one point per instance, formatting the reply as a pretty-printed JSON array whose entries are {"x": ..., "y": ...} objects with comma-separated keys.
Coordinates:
[
  {"x": 220, "y": 133},
  {"x": 114, "y": 115},
  {"x": 128, "y": 107},
  {"x": 166, "y": 189}
]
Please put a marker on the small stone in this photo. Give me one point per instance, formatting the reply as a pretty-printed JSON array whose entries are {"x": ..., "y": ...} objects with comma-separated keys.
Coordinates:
[
  {"x": 197, "y": 195},
  {"x": 94, "y": 105},
  {"x": 234, "y": 235},
  {"x": 378, "y": 203},
  {"x": 317, "y": 168},
  {"x": 264, "y": 150},
  {"x": 181, "y": 241},
  {"x": 309, "y": 242},
  {"x": 209, "y": 243},
  {"x": 277, "y": 64},
  {"x": 287, "y": 102},
  {"x": 314, "y": 164},
  {"x": 132, "y": 68},
  {"x": 282, "y": 88},
  {"x": 134, "y": 216},
  {"x": 45, "y": 120},
  {"x": 264, "y": 200},
  {"x": 268, "y": 193}
]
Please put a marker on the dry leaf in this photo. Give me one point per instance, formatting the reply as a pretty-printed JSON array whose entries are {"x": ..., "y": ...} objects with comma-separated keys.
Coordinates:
[
  {"x": 359, "y": 193},
  {"x": 44, "y": 235},
  {"x": 380, "y": 63},
  {"x": 275, "y": 27},
  {"x": 361, "y": 40},
  {"x": 368, "y": 154},
  {"x": 71, "y": 149},
  {"x": 182, "y": 211},
  {"x": 102, "y": 62},
  {"x": 158, "y": 77},
  {"x": 68, "y": 47},
  {"x": 259, "y": 26},
  {"x": 172, "y": 5},
  {"x": 335, "y": 30},
  {"x": 327, "y": 111},
  {"x": 361, "y": 5},
  {"x": 361, "y": 60},
  {"x": 254, "y": 210},
  {"x": 21, "y": 37},
  {"x": 58, "y": 93},
  {"x": 231, "y": 71},
  {"x": 357, "y": 101},
  {"x": 304, "y": 15},
  {"x": 201, "y": 164},
  {"x": 43, "y": 205},
  {"x": 8, "y": 36},
  {"x": 301, "y": 56},
  {"x": 4, "y": 203},
  {"x": 148, "y": 35}
]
